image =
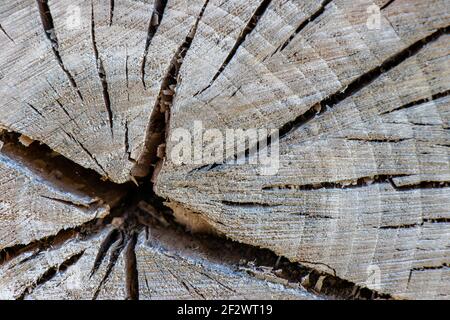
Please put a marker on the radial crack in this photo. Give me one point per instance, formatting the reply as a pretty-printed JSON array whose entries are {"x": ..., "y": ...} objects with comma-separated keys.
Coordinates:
[
  {"x": 131, "y": 270},
  {"x": 111, "y": 12},
  {"x": 51, "y": 273},
  {"x": 34, "y": 109},
  {"x": 419, "y": 102},
  {"x": 127, "y": 143},
  {"x": 251, "y": 25},
  {"x": 160, "y": 117},
  {"x": 110, "y": 239},
  {"x": 87, "y": 152},
  {"x": 302, "y": 25},
  {"x": 114, "y": 257},
  {"x": 101, "y": 73},
  {"x": 387, "y": 4},
  {"x": 6, "y": 34},
  {"x": 49, "y": 29},
  {"x": 70, "y": 203},
  {"x": 359, "y": 183},
  {"x": 153, "y": 25},
  {"x": 415, "y": 225},
  {"x": 425, "y": 268}
]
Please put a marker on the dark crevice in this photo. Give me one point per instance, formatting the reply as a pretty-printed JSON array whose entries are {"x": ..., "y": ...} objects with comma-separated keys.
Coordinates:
[
  {"x": 422, "y": 185},
  {"x": 421, "y": 124},
  {"x": 6, "y": 34},
  {"x": 361, "y": 182},
  {"x": 419, "y": 102},
  {"x": 384, "y": 140},
  {"x": 49, "y": 29},
  {"x": 131, "y": 271},
  {"x": 159, "y": 120},
  {"x": 425, "y": 268},
  {"x": 110, "y": 239},
  {"x": 127, "y": 78},
  {"x": 251, "y": 25},
  {"x": 34, "y": 109},
  {"x": 101, "y": 73},
  {"x": 415, "y": 225},
  {"x": 187, "y": 286},
  {"x": 114, "y": 257},
  {"x": 86, "y": 150},
  {"x": 302, "y": 26},
  {"x": 25, "y": 260},
  {"x": 442, "y": 266},
  {"x": 51, "y": 273},
  {"x": 312, "y": 216},
  {"x": 387, "y": 4},
  {"x": 69, "y": 203},
  {"x": 111, "y": 12},
  {"x": 401, "y": 226},
  {"x": 153, "y": 25},
  {"x": 437, "y": 220},
  {"x": 127, "y": 143},
  {"x": 348, "y": 184},
  {"x": 64, "y": 110},
  {"x": 247, "y": 204}
]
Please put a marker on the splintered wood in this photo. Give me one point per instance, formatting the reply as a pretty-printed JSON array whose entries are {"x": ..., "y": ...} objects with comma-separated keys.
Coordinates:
[{"x": 92, "y": 97}]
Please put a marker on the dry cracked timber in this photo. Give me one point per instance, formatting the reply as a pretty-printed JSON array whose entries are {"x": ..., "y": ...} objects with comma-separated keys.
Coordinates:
[
  {"x": 135, "y": 215},
  {"x": 141, "y": 213}
]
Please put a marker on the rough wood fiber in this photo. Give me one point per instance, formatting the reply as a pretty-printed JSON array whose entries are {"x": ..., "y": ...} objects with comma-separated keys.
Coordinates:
[
  {"x": 82, "y": 92},
  {"x": 37, "y": 200},
  {"x": 163, "y": 274},
  {"x": 266, "y": 87},
  {"x": 168, "y": 275},
  {"x": 361, "y": 185},
  {"x": 362, "y": 192},
  {"x": 23, "y": 276}
]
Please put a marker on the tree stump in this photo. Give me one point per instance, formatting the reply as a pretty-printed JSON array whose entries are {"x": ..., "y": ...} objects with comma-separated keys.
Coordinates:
[{"x": 348, "y": 99}]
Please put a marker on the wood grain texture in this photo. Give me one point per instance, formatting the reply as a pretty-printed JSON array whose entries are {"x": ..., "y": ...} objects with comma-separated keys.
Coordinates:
[
  {"x": 92, "y": 94},
  {"x": 38, "y": 199},
  {"x": 262, "y": 87},
  {"x": 168, "y": 275},
  {"x": 362, "y": 185},
  {"x": 163, "y": 274},
  {"x": 81, "y": 91}
]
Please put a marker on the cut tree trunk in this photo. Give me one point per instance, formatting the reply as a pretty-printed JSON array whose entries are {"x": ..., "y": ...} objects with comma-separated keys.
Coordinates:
[{"x": 92, "y": 94}]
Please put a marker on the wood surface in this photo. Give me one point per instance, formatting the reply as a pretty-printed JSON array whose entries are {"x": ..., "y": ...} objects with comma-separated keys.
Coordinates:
[{"x": 92, "y": 205}]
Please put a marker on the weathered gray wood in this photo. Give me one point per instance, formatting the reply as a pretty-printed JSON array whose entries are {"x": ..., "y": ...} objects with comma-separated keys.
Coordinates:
[
  {"x": 362, "y": 191},
  {"x": 261, "y": 90},
  {"x": 37, "y": 200},
  {"x": 163, "y": 274},
  {"x": 38, "y": 99},
  {"x": 348, "y": 197},
  {"x": 168, "y": 275},
  {"x": 20, "y": 277}
]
